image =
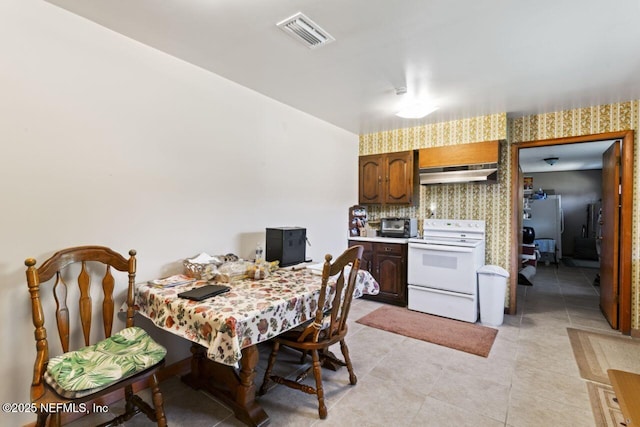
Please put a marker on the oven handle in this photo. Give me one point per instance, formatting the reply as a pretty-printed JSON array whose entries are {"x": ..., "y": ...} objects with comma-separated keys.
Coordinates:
[
  {"x": 440, "y": 291},
  {"x": 440, "y": 248}
]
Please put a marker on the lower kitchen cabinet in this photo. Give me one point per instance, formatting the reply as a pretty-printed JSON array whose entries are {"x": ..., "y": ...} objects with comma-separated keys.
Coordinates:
[{"x": 387, "y": 263}]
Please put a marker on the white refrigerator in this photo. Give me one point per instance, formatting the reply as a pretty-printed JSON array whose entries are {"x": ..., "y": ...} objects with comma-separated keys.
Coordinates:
[{"x": 547, "y": 221}]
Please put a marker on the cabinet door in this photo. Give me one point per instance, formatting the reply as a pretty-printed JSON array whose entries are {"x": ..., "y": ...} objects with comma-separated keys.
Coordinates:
[
  {"x": 371, "y": 172},
  {"x": 391, "y": 272},
  {"x": 398, "y": 181}
]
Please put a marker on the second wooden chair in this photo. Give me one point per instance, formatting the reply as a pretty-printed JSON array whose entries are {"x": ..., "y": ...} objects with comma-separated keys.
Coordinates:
[{"x": 328, "y": 327}]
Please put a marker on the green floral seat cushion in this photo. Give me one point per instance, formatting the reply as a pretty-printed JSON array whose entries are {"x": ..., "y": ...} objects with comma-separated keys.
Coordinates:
[{"x": 88, "y": 370}]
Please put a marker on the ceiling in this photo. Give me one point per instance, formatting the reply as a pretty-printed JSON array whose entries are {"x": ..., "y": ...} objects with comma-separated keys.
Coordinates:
[
  {"x": 469, "y": 57},
  {"x": 579, "y": 156}
]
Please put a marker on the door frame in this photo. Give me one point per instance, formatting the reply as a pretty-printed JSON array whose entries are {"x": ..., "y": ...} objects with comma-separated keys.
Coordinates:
[{"x": 626, "y": 211}]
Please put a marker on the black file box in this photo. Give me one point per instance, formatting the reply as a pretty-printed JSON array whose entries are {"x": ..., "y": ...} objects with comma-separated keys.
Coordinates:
[{"x": 287, "y": 245}]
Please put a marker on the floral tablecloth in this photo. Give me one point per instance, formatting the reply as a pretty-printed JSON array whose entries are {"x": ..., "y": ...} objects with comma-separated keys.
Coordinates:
[{"x": 251, "y": 312}]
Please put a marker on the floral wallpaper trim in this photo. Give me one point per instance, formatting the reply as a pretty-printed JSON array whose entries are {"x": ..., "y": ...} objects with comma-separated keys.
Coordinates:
[{"x": 476, "y": 129}]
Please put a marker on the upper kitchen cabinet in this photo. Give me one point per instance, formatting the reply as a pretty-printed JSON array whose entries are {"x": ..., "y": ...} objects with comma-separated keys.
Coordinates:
[
  {"x": 461, "y": 163},
  {"x": 387, "y": 178}
]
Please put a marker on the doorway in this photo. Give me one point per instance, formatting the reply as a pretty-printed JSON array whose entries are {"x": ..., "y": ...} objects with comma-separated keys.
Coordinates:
[{"x": 623, "y": 277}]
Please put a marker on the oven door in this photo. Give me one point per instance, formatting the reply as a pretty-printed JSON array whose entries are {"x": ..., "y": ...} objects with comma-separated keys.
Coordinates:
[{"x": 449, "y": 268}]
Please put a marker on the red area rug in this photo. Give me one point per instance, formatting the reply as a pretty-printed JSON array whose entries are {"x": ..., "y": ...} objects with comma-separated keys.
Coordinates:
[{"x": 463, "y": 336}]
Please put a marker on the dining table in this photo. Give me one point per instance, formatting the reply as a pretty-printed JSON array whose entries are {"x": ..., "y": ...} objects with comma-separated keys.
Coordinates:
[{"x": 226, "y": 329}]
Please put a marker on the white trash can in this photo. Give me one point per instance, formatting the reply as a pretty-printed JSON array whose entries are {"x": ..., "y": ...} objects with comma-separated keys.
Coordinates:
[{"x": 492, "y": 288}]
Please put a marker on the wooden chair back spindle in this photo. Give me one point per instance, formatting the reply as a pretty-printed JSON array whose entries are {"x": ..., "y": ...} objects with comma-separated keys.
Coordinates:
[{"x": 60, "y": 292}]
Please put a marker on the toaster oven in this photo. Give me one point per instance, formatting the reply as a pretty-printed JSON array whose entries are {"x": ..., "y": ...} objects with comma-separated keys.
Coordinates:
[{"x": 399, "y": 227}]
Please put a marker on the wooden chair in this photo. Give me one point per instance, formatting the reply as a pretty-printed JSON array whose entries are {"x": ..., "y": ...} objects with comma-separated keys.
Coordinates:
[
  {"x": 47, "y": 393},
  {"x": 327, "y": 328}
]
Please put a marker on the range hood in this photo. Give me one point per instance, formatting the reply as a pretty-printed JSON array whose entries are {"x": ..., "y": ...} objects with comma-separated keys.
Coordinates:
[
  {"x": 475, "y": 162},
  {"x": 487, "y": 173}
]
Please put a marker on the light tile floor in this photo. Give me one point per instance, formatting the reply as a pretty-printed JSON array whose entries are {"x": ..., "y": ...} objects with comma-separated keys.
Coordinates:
[{"x": 529, "y": 379}]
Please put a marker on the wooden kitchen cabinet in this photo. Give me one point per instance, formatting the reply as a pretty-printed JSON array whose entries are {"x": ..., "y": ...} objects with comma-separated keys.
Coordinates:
[
  {"x": 387, "y": 263},
  {"x": 459, "y": 155},
  {"x": 366, "y": 263},
  {"x": 390, "y": 261},
  {"x": 387, "y": 178}
]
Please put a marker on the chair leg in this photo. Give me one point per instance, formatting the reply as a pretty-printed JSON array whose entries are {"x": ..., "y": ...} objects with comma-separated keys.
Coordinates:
[
  {"x": 134, "y": 404},
  {"x": 317, "y": 373},
  {"x": 347, "y": 360},
  {"x": 55, "y": 419},
  {"x": 267, "y": 373},
  {"x": 158, "y": 404},
  {"x": 42, "y": 419},
  {"x": 130, "y": 407}
]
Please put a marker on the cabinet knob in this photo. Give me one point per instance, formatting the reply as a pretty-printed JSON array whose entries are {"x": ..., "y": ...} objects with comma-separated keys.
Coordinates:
[{"x": 387, "y": 249}]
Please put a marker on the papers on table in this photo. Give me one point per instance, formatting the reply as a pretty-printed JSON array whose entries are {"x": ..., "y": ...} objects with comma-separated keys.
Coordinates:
[
  {"x": 316, "y": 268},
  {"x": 171, "y": 281},
  {"x": 203, "y": 258}
]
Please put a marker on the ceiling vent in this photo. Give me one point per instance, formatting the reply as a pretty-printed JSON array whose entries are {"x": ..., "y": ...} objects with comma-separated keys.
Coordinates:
[{"x": 307, "y": 32}]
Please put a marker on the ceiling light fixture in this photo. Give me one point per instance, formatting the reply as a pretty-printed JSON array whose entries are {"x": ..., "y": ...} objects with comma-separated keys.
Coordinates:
[
  {"x": 416, "y": 110},
  {"x": 551, "y": 160}
]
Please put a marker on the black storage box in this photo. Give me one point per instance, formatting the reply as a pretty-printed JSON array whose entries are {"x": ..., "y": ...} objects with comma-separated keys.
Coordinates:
[{"x": 287, "y": 245}]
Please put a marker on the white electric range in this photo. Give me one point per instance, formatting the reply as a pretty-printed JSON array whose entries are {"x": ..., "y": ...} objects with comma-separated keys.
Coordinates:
[{"x": 442, "y": 266}]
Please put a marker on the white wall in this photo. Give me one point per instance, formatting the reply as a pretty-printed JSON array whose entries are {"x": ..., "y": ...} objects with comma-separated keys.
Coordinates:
[{"x": 106, "y": 141}]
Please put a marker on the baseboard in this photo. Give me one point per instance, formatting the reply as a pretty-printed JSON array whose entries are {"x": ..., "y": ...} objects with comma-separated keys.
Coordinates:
[
  {"x": 179, "y": 368},
  {"x": 635, "y": 333}
]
